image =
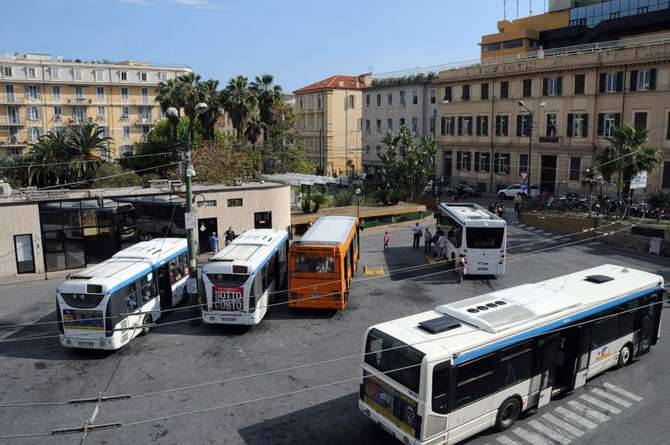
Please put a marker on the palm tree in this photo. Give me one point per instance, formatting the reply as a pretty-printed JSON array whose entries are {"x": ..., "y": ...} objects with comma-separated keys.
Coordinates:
[
  {"x": 253, "y": 130},
  {"x": 46, "y": 157},
  {"x": 169, "y": 95},
  {"x": 239, "y": 102},
  {"x": 267, "y": 94},
  {"x": 86, "y": 143},
  {"x": 190, "y": 92},
  {"x": 626, "y": 156},
  {"x": 210, "y": 95}
]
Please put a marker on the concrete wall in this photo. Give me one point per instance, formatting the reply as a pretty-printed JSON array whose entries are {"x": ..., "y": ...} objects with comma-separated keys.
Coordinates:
[{"x": 19, "y": 220}]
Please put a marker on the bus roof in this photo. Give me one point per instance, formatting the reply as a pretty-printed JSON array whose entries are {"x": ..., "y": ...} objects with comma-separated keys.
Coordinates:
[
  {"x": 476, "y": 326},
  {"x": 329, "y": 230},
  {"x": 126, "y": 265},
  {"x": 471, "y": 214},
  {"x": 251, "y": 249}
]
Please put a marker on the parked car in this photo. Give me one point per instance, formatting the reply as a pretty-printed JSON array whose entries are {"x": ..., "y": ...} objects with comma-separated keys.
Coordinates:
[{"x": 511, "y": 191}]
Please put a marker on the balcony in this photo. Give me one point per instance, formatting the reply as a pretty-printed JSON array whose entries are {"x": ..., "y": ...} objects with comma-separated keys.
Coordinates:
[
  {"x": 550, "y": 139},
  {"x": 13, "y": 141},
  {"x": 10, "y": 121},
  {"x": 11, "y": 99},
  {"x": 33, "y": 99},
  {"x": 145, "y": 121}
]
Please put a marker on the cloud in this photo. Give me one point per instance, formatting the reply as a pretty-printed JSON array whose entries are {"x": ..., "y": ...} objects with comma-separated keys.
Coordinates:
[
  {"x": 135, "y": 2},
  {"x": 208, "y": 5}
]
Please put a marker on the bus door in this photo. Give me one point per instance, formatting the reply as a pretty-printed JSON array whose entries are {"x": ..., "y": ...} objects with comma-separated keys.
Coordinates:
[
  {"x": 547, "y": 349},
  {"x": 584, "y": 334},
  {"x": 164, "y": 286},
  {"x": 566, "y": 359}
]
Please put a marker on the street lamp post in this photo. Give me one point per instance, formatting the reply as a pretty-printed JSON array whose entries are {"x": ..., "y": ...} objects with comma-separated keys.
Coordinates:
[
  {"x": 358, "y": 202},
  {"x": 189, "y": 172},
  {"x": 522, "y": 104}
]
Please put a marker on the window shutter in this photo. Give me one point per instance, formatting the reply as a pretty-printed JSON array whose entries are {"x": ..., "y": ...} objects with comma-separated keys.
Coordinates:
[
  {"x": 585, "y": 125},
  {"x": 617, "y": 120},
  {"x": 633, "y": 80},
  {"x": 652, "y": 79},
  {"x": 601, "y": 124},
  {"x": 559, "y": 85},
  {"x": 479, "y": 126},
  {"x": 570, "y": 120},
  {"x": 460, "y": 126},
  {"x": 485, "y": 128},
  {"x": 545, "y": 86},
  {"x": 603, "y": 82},
  {"x": 619, "y": 81},
  {"x": 518, "y": 124},
  {"x": 477, "y": 156},
  {"x": 459, "y": 160}
]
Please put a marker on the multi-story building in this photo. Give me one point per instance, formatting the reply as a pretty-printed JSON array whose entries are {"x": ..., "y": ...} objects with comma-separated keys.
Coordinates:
[
  {"x": 329, "y": 123},
  {"x": 39, "y": 93},
  {"x": 391, "y": 103},
  {"x": 569, "y": 101}
]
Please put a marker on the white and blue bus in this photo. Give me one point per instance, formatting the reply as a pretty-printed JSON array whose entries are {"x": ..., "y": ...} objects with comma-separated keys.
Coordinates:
[
  {"x": 242, "y": 279},
  {"x": 107, "y": 305},
  {"x": 445, "y": 375}
]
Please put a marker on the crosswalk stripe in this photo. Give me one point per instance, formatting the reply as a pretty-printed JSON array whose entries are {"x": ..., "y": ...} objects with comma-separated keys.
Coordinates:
[
  {"x": 575, "y": 418},
  {"x": 563, "y": 425},
  {"x": 623, "y": 392},
  {"x": 600, "y": 404},
  {"x": 504, "y": 440},
  {"x": 609, "y": 396},
  {"x": 533, "y": 438},
  {"x": 588, "y": 411},
  {"x": 554, "y": 435}
]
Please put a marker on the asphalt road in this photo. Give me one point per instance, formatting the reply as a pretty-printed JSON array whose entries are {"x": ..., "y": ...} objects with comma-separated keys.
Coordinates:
[{"x": 184, "y": 354}]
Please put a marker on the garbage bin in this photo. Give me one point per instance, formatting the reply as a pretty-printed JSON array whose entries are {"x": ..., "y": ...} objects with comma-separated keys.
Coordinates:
[{"x": 655, "y": 245}]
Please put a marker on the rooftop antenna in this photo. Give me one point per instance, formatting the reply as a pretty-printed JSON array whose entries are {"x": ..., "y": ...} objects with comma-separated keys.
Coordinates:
[
  {"x": 517, "y": 8},
  {"x": 530, "y": 7},
  {"x": 504, "y": 9}
]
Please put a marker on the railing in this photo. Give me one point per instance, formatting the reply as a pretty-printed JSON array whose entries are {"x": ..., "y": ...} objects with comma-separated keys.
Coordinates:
[
  {"x": 10, "y": 121},
  {"x": 11, "y": 99}
]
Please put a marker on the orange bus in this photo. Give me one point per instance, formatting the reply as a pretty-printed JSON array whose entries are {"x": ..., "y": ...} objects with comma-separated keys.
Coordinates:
[{"x": 323, "y": 262}]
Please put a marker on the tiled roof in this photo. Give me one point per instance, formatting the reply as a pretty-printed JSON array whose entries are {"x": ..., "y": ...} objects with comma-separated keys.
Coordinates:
[{"x": 335, "y": 82}]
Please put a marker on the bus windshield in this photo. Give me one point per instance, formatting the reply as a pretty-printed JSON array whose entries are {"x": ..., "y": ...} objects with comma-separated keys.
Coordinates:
[
  {"x": 387, "y": 354},
  {"x": 82, "y": 301},
  {"x": 227, "y": 279},
  {"x": 484, "y": 237},
  {"x": 313, "y": 263}
]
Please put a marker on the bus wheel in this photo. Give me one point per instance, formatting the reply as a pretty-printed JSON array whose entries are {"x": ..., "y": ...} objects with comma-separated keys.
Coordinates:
[
  {"x": 625, "y": 355},
  {"x": 508, "y": 413},
  {"x": 146, "y": 321}
]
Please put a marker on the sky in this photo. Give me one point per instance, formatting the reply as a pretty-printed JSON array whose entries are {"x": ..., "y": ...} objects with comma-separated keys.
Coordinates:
[{"x": 298, "y": 41}]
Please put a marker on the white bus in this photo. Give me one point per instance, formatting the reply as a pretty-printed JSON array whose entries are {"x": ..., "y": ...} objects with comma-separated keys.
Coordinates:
[
  {"x": 445, "y": 375},
  {"x": 242, "y": 279},
  {"x": 476, "y": 238},
  {"x": 107, "y": 305}
]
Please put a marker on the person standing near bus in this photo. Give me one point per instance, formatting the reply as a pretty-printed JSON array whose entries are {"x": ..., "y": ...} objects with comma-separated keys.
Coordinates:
[
  {"x": 416, "y": 230},
  {"x": 427, "y": 240},
  {"x": 229, "y": 235},
  {"x": 214, "y": 243},
  {"x": 387, "y": 239},
  {"x": 441, "y": 246}
]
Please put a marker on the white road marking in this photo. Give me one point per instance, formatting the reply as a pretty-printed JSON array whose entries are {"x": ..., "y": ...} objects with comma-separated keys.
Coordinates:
[
  {"x": 609, "y": 396},
  {"x": 533, "y": 438},
  {"x": 563, "y": 424},
  {"x": 504, "y": 440},
  {"x": 600, "y": 404},
  {"x": 623, "y": 392},
  {"x": 575, "y": 418},
  {"x": 588, "y": 411},
  {"x": 550, "y": 433}
]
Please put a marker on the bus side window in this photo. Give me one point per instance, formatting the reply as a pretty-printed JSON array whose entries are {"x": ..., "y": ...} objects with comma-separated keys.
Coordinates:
[
  {"x": 440, "y": 397},
  {"x": 474, "y": 380},
  {"x": 129, "y": 295},
  {"x": 147, "y": 289}
]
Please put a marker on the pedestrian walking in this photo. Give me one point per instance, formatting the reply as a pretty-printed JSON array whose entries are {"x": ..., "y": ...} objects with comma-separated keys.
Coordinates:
[
  {"x": 387, "y": 239},
  {"x": 214, "y": 243},
  {"x": 441, "y": 246},
  {"x": 229, "y": 235},
  {"x": 517, "y": 204},
  {"x": 416, "y": 230},
  {"x": 427, "y": 240}
]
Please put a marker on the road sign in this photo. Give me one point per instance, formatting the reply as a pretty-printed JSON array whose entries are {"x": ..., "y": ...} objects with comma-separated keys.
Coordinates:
[
  {"x": 189, "y": 221},
  {"x": 639, "y": 181}
]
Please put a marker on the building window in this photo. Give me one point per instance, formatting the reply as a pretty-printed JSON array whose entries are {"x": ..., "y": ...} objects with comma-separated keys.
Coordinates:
[
  {"x": 402, "y": 98},
  {"x": 643, "y": 80},
  {"x": 143, "y": 76},
  {"x": 145, "y": 131},
  {"x": 580, "y": 81},
  {"x": 552, "y": 86},
  {"x": 465, "y": 125},
  {"x": 523, "y": 125},
  {"x": 125, "y": 111},
  {"x": 432, "y": 125},
  {"x": 99, "y": 75},
  {"x": 123, "y": 75},
  {"x": 527, "y": 87},
  {"x": 502, "y": 125},
  {"x": 367, "y": 149},
  {"x": 447, "y": 94},
  {"x": 667, "y": 132},
  {"x": 76, "y": 74},
  {"x": 31, "y": 73},
  {"x": 378, "y": 150},
  {"x": 482, "y": 125},
  {"x": 611, "y": 82},
  {"x": 551, "y": 125},
  {"x": 482, "y": 162},
  {"x": 578, "y": 124},
  {"x": 9, "y": 92},
  {"x": 78, "y": 92},
  {"x": 161, "y": 76},
  {"x": 124, "y": 94},
  {"x": 389, "y": 124},
  {"x": 101, "y": 112},
  {"x": 55, "y": 92},
  {"x": 367, "y": 101},
  {"x": 501, "y": 163},
  {"x": 100, "y": 94},
  {"x": 58, "y": 111},
  {"x": 34, "y": 133},
  {"x": 607, "y": 123},
  {"x": 484, "y": 90},
  {"x": 235, "y": 202},
  {"x": 402, "y": 122},
  {"x": 126, "y": 132},
  {"x": 464, "y": 161},
  {"x": 504, "y": 89},
  {"x": 415, "y": 98},
  {"x": 367, "y": 126},
  {"x": 666, "y": 175},
  {"x": 465, "y": 95},
  {"x": 79, "y": 114},
  {"x": 432, "y": 95},
  {"x": 351, "y": 102},
  {"x": 415, "y": 125},
  {"x": 379, "y": 100},
  {"x": 23, "y": 251},
  {"x": 379, "y": 126},
  {"x": 523, "y": 164},
  {"x": 145, "y": 95},
  {"x": 33, "y": 113},
  {"x": 7, "y": 71},
  {"x": 575, "y": 169},
  {"x": 33, "y": 92},
  {"x": 640, "y": 120}
]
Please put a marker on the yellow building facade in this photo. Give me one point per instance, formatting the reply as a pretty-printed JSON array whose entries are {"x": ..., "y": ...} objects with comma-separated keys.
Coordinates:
[{"x": 39, "y": 93}]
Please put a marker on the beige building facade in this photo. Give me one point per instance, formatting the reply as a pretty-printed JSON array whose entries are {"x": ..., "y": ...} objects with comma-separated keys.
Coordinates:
[
  {"x": 329, "y": 123},
  {"x": 576, "y": 98},
  {"x": 39, "y": 93}
]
